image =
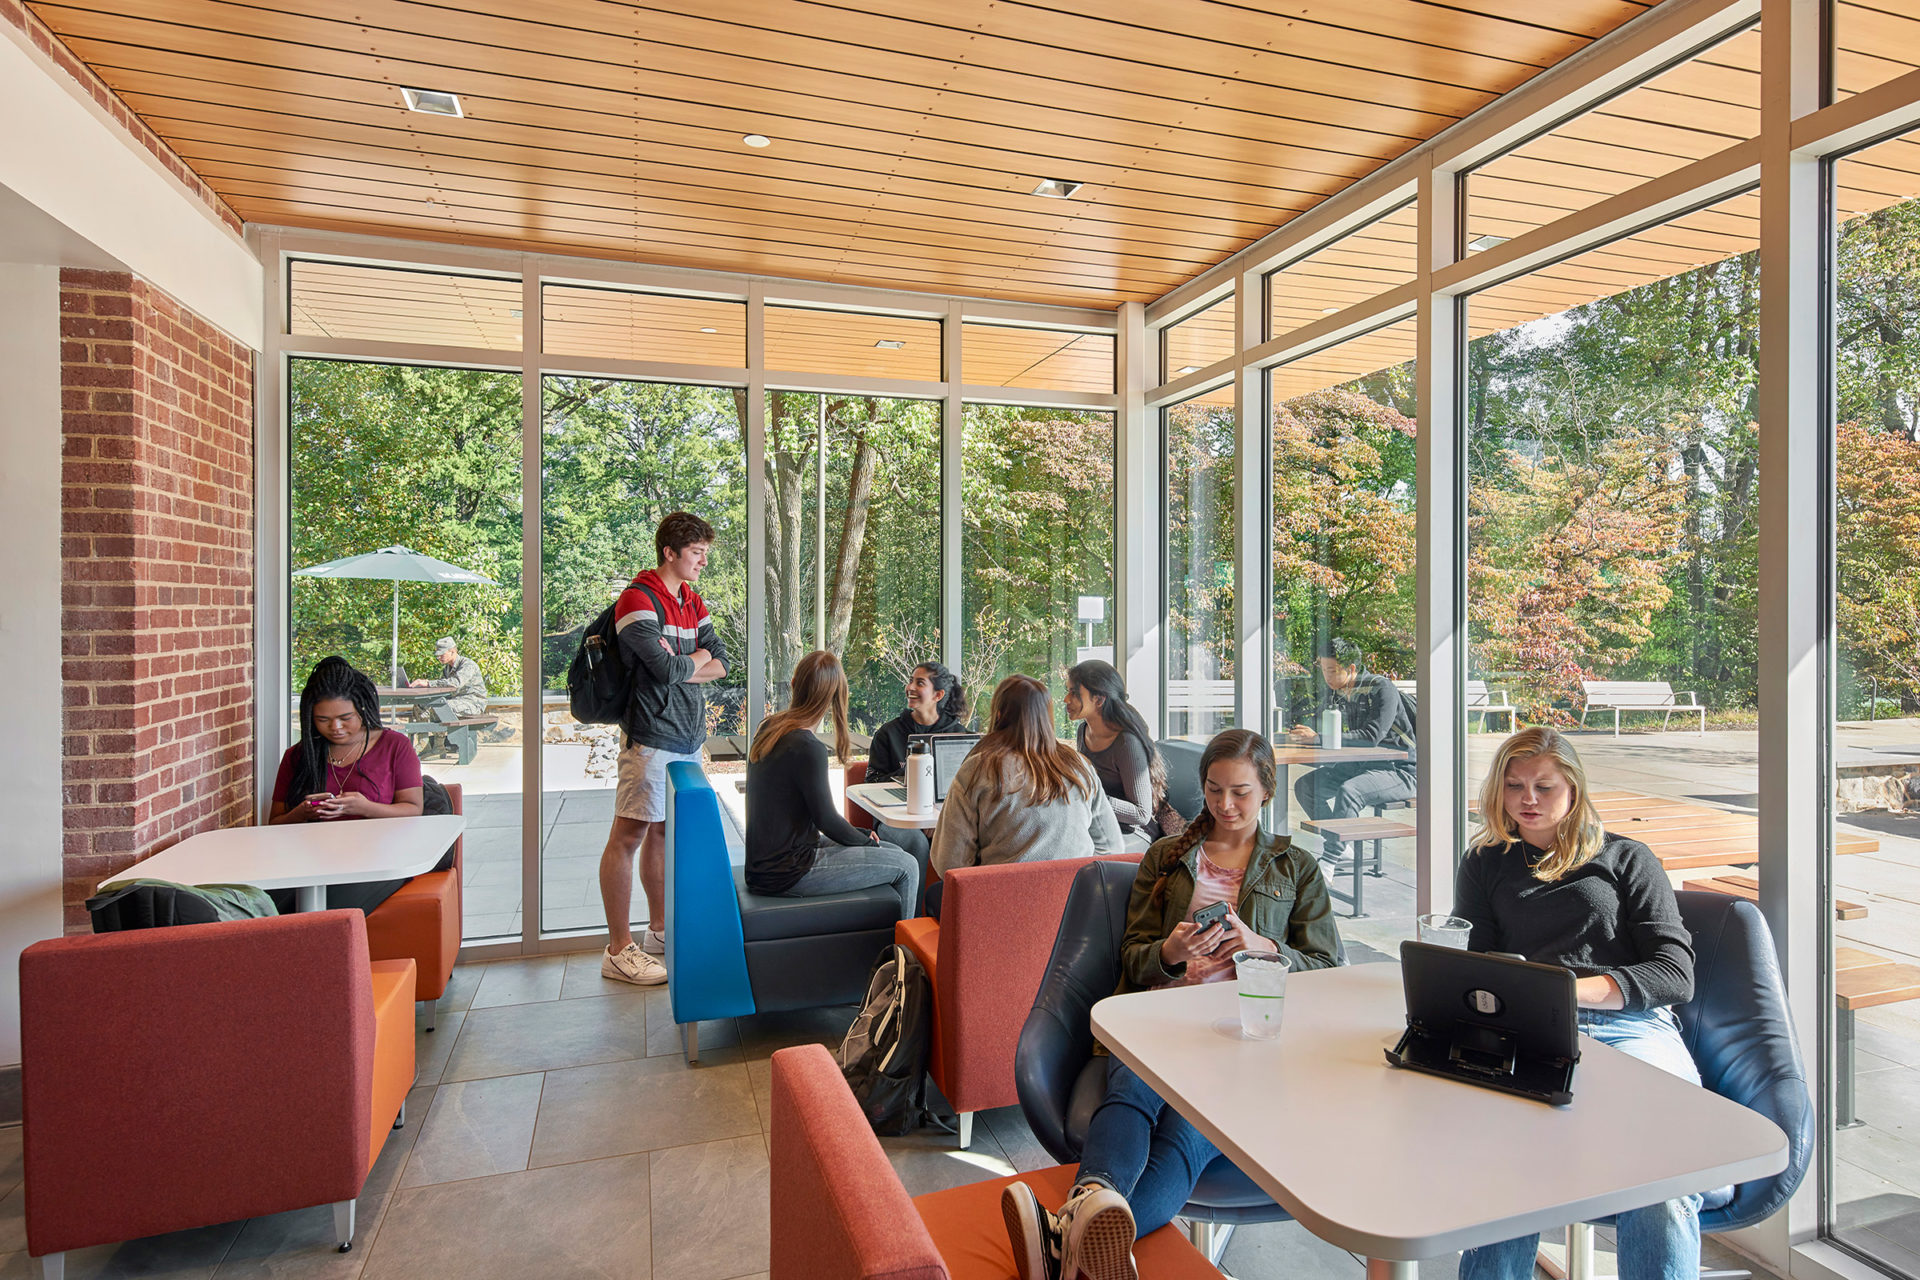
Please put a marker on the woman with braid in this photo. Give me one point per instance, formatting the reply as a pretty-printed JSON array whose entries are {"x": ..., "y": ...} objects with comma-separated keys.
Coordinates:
[
  {"x": 346, "y": 766},
  {"x": 1142, "y": 1159}
]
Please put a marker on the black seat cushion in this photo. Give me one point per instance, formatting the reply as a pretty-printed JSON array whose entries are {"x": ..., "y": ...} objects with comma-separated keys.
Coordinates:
[{"x": 764, "y": 918}]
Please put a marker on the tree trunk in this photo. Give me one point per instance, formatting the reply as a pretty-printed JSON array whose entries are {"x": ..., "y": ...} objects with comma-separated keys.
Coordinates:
[{"x": 853, "y": 536}]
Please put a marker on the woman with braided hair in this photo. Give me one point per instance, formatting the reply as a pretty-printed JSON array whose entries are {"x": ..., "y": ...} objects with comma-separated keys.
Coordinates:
[{"x": 1142, "y": 1159}]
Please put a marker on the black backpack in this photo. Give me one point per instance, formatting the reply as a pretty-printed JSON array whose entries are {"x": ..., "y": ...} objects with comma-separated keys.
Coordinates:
[
  {"x": 884, "y": 1056},
  {"x": 599, "y": 681}
]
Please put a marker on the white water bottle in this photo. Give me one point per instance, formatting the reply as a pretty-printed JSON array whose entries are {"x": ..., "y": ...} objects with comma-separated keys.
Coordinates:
[
  {"x": 919, "y": 779},
  {"x": 1330, "y": 728}
]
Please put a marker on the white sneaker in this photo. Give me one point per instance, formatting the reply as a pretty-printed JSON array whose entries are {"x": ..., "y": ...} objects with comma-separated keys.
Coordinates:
[
  {"x": 631, "y": 964},
  {"x": 654, "y": 942},
  {"x": 1032, "y": 1232},
  {"x": 1096, "y": 1235}
]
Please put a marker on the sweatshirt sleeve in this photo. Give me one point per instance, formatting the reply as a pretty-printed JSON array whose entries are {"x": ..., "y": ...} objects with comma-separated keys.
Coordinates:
[
  {"x": 1140, "y": 958},
  {"x": 1385, "y": 709},
  {"x": 1104, "y": 828},
  {"x": 818, "y": 795},
  {"x": 1473, "y": 902},
  {"x": 1663, "y": 975},
  {"x": 708, "y": 638},
  {"x": 638, "y": 631},
  {"x": 1313, "y": 940},
  {"x": 883, "y": 757},
  {"x": 1135, "y": 808},
  {"x": 956, "y": 837}
]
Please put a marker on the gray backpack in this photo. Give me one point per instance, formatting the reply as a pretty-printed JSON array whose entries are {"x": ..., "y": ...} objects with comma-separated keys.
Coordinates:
[{"x": 884, "y": 1055}]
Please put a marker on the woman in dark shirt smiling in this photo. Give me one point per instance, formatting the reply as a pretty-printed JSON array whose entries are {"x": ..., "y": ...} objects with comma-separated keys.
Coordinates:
[{"x": 1543, "y": 879}]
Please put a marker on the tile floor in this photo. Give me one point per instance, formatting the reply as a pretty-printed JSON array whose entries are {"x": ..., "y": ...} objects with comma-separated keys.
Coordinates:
[{"x": 555, "y": 1131}]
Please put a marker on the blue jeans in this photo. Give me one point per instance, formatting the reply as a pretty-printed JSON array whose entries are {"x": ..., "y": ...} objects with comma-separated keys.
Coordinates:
[
  {"x": 1351, "y": 790},
  {"x": 1144, "y": 1149},
  {"x": 838, "y": 868},
  {"x": 1659, "y": 1242}
]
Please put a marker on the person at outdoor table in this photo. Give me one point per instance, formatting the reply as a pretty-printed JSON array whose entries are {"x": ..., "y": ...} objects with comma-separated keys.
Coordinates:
[
  {"x": 1543, "y": 879},
  {"x": 798, "y": 843},
  {"x": 1142, "y": 1159},
  {"x": 1021, "y": 795},
  {"x": 1114, "y": 737},
  {"x": 1372, "y": 714},
  {"x": 935, "y": 704},
  {"x": 469, "y": 696},
  {"x": 345, "y": 766}
]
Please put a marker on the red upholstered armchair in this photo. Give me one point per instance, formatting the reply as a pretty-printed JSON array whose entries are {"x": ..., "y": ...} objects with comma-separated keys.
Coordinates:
[
  {"x": 856, "y": 774},
  {"x": 985, "y": 957},
  {"x": 421, "y": 922},
  {"x": 180, "y": 1077}
]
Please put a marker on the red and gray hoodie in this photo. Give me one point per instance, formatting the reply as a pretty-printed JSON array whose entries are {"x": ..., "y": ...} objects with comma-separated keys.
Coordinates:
[{"x": 657, "y": 633}]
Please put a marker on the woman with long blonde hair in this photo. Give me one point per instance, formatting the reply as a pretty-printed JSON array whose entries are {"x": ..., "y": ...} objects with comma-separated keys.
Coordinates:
[
  {"x": 1022, "y": 795},
  {"x": 1544, "y": 879},
  {"x": 798, "y": 843}
]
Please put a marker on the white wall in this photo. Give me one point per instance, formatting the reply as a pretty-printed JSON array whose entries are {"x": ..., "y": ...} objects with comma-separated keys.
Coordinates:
[{"x": 30, "y": 783}]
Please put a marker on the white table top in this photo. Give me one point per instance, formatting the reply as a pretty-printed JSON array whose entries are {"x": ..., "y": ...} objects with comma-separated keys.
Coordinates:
[
  {"x": 1398, "y": 1165},
  {"x": 868, "y": 796},
  {"x": 302, "y": 854}
]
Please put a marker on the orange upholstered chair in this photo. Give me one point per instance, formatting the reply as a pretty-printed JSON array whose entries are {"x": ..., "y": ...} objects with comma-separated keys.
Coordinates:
[
  {"x": 856, "y": 774},
  {"x": 421, "y": 922},
  {"x": 180, "y": 1077},
  {"x": 985, "y": 957},
  {"x": 838, "y": 1208}
]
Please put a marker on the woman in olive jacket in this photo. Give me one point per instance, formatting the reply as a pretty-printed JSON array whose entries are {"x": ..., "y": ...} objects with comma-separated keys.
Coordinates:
[{"x": 1142, "y": 1159}]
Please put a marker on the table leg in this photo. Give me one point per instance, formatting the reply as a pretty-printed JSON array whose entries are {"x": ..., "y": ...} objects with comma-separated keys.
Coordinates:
[
  {"x": 311, "y": 897},
  {"x": 1843, "y": 1117},
  {"x": 1386, "y": 1269}
]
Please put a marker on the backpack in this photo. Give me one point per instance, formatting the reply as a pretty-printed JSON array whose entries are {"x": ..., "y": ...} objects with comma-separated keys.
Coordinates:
[
  {"x": 884, "y": 1056},
  {"x": 599, "y": 682}
]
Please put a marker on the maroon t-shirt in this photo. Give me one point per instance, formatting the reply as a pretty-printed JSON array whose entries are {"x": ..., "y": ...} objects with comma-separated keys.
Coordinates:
[{"x": 389, "y": 766}]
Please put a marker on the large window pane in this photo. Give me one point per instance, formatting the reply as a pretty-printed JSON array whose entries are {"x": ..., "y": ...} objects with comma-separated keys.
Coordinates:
[
  {"x": 1690, "y": 111},
  {"x": 1613, "y": 471},
  {"x": 1197, "y": 440},
  {"x": 617, "y": 457},
  {"x": 1037, "y": 550},
  {"x": 1362, "y": 264},
  {"x": 384, "y": 455},
  {"x": 1343, "y": 433},
  {"x": 386, "y": 304},
  {"x": 1873, "y": 1206},
  {"x": 853, "y": 542}
]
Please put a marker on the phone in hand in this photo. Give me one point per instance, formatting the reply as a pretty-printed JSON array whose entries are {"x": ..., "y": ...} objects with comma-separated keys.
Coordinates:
[{"x": 1208, "y": 916}]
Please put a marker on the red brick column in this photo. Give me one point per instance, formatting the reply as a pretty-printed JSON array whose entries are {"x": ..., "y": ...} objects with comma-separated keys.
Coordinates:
[{"x": 157, "y": 561}]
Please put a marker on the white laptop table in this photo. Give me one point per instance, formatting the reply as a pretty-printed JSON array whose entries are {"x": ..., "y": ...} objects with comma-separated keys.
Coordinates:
[
  {"x": 307, "y": 856},
  {"x": 874, "y": 798},
  {"x": 1396, "y": 1166}
]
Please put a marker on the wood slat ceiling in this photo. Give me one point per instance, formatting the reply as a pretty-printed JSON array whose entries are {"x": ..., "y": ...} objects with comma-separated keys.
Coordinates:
[{"x": 906, "y": 136}]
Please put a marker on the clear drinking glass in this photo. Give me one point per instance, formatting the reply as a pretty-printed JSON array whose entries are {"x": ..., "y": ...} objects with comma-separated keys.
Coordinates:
[
  {"x": 1445, "y": 931},
  {"x": 1263, "y": 992}
]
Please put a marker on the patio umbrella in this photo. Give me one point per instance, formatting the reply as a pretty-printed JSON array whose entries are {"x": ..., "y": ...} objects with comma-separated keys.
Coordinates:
[{"x": 400, "y": 565}]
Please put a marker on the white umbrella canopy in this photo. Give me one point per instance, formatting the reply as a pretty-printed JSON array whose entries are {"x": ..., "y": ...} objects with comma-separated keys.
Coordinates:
[{"x": 398, "y": 564}]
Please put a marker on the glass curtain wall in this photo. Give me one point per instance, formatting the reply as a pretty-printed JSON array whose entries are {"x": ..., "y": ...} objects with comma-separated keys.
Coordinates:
[
  {"x": 617, "y": 456},
  {"x": 425, "y": 461},
  {"x": 1197, "y": 451},
  {"x": 1037, "y": 520}
]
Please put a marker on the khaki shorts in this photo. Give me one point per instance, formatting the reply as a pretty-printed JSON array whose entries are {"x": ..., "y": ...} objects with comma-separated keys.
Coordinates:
[{"x": 642, "y": 790}]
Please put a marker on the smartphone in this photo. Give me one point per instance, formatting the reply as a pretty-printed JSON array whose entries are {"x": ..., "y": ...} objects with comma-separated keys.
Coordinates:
[{"x": 1208, "y": 916}]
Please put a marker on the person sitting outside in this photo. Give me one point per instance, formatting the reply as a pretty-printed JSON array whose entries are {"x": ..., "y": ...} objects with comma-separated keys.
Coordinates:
[
  {"x": 469, "y": 696},
  {"x": 935, "y": 704},
  {"x": 1021, "y": 795},
  {"x": 799, "y": 845},
  {"x": 1114, "y": 737},
  {"x": 1372, "y": 714},
  {"x": 345, "y": 767}
]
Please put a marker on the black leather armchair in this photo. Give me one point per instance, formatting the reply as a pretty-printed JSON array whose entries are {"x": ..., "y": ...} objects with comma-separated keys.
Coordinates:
[
  {"x": 1183, "y": 777},
  {"x": 1060, "y": 1081}
]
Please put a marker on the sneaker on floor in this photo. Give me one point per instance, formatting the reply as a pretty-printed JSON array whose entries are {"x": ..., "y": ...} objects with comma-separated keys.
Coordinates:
[
  {"x": 1096, "y": 1235},
  {"x": 1031, "y": 1229},
  {"x": 631, "y": 964},
  {"x": 654, "y": 942}
]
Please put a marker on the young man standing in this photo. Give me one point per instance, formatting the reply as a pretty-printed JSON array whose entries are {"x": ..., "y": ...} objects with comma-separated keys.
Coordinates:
[{"x": 668, "y": 639}]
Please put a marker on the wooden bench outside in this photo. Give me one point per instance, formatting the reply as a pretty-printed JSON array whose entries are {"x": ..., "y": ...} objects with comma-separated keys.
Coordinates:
[
  {"x": 1638, "y": 695},
  {"x": 1748, "y": 887},
  {"x": 1355, "y": 832},
  {"x": 463, "y": 733},
  {"x": 1201, "y": 696},
  {"x": 1862, "y": 980}
]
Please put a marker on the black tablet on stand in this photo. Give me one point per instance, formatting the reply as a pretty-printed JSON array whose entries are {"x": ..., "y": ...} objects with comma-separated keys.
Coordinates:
[{"x": 1495, "y": 1021}]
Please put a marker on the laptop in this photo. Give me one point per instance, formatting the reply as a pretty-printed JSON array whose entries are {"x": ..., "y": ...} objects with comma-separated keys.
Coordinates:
[
  {"x": 405, "y": 678},
  {"x": 1496, "y": 1021},
  {"x": 948, "y": 750}
]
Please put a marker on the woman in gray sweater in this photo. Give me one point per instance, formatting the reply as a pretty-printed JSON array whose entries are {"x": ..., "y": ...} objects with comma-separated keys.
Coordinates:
[{"x": 1022, "y": 795}]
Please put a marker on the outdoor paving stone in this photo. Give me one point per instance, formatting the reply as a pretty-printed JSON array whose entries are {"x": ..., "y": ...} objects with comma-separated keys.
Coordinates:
[
  {"x": 618, "y": 1108},
  {"x": 710, "y": 1209},
  {"x": 551, "y": 1035},
  {"x": 491, "y": 844}
]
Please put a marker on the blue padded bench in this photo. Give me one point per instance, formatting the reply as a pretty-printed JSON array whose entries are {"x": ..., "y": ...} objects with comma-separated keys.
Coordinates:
[{"x": 732, "y": 952}]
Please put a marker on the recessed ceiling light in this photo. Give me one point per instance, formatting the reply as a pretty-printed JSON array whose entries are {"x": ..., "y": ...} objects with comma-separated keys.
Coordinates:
[
  {"x": 1329, "y": 311},
  {"x": 1484, "y": 242},
  {"x": 514, "y": 314},
  {"x": 1183, "y": 372},
  {"x": 432, "y": 102},
  {"x": 890, "y": 344},
  {"x": 1057, "y": 188},
  {"x": 757, "y": 140},
  {"x": 709, "y": 331}
]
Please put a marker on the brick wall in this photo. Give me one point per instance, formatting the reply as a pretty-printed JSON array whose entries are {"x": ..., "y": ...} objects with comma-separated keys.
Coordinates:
[{"x": 157, "y": 576}]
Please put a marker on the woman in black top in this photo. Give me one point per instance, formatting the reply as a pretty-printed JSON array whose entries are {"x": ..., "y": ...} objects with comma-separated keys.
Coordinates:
[
  {"x": 1114, "y": 737},
  {"x": 935, "y": 704},
  {"x": 798, "y": 844},
  {"x": 1544, "y": 880}
]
